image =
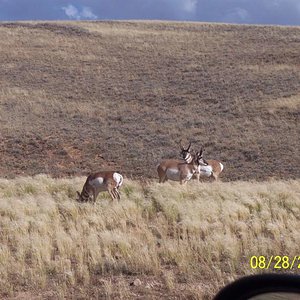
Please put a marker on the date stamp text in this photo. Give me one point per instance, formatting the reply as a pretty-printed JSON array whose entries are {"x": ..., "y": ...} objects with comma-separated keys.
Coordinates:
[{"x": 275, "y": 262}]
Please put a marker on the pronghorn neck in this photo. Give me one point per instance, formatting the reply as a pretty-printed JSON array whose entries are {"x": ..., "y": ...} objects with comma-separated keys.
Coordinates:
[
  {"x": 188, "y": 158},
  {"x": 198, "y": 157},
  {"x": 85, "y": 195}
]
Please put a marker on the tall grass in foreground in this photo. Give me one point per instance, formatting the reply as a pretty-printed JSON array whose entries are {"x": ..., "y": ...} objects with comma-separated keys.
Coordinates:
[{"x": 192, "y": 239}]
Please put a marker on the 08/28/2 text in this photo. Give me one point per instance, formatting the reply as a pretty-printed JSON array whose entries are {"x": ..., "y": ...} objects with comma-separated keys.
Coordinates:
[{"x": 275, "y": 262}]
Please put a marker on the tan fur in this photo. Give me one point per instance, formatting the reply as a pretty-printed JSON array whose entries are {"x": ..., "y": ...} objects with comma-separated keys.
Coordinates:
[{"x": 215, "y": 164}]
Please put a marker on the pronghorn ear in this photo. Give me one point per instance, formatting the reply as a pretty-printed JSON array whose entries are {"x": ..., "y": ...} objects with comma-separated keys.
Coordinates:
[{"x": 189, "y": 146}]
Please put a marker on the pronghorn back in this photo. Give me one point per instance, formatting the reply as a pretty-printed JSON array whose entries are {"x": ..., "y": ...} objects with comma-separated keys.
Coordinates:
[{"x": 169, "y": 163}]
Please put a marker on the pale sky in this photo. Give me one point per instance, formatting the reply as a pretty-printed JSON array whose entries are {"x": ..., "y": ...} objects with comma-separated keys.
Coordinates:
[{"x": 280, "y": 12}]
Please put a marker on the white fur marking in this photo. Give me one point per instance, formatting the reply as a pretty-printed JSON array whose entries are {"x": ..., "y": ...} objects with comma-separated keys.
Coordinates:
[
  {"x": 97, "y": 182},
  {"x": 189, "y": 176},
  {"x": 206, "y": 170},
  {"x": 118, "y": 178},
  {"x": 173, "y": 174},
  {"x": 189, "y": 158},
  {"x": 222, "y": 167}
]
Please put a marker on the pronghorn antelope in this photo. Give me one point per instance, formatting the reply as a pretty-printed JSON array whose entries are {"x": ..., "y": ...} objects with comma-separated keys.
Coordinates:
[
  {"x": 211, "y": 169},
  {"x": 179, "y": 170},
  {"x": 99, "y": 182}
]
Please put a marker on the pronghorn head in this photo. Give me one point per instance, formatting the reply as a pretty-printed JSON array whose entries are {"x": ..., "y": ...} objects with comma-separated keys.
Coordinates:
[
  {"x": 185, "y": 153},
  {"x": 79, "y": 197},
  {"x": 199, "y": 157}
]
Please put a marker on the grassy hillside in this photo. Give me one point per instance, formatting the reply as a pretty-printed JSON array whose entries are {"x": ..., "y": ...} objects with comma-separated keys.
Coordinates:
[
  {"x": 161, "y": 241},
  {"x": 82, "y": 96}
]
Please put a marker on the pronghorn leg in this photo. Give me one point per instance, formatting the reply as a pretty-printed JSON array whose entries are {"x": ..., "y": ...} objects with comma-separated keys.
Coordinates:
[
  {"x": 161, "y": 175},
  {"x": 182, "y": 180},
  {"x": 111, "y": 193},
  {"x": 215, "y": 176},
  {"x": 110, "y": 189},
  {"x": 163, "y": 179},
  {"x": 118, "y": 194},
  {"x": 115, "y": 193},
  {"x": 94, "y": 195}
]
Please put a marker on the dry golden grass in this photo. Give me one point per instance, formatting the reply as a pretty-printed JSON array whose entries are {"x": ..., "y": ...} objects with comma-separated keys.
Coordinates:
[{"x": 180, "y": 241}]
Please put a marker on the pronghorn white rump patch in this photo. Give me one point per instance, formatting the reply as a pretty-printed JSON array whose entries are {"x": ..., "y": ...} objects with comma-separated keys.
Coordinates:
[
  {"x": 118, "y": 178},
  {"x": 222, "y": 166}
]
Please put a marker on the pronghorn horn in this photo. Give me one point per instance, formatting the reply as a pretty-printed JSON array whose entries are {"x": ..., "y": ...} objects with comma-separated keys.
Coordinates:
[
  {"x": 182, "y": 147},
  {"x": 180, "y": 142},
  {"x": 201, "y": 152}
]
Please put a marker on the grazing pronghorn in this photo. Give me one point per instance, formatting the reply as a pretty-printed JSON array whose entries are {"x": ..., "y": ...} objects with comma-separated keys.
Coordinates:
[
  {"x": 211, "y": 169},
  {"x": 99, "y": 182},
  {"x": 179, "y": 170}
]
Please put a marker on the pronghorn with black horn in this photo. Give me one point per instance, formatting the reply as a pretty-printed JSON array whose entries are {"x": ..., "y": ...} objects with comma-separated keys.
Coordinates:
[
  {"x": 109, "y": 181},
  {"x": 211, "y": 169},
  {"x": 179, "y": 170}
]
